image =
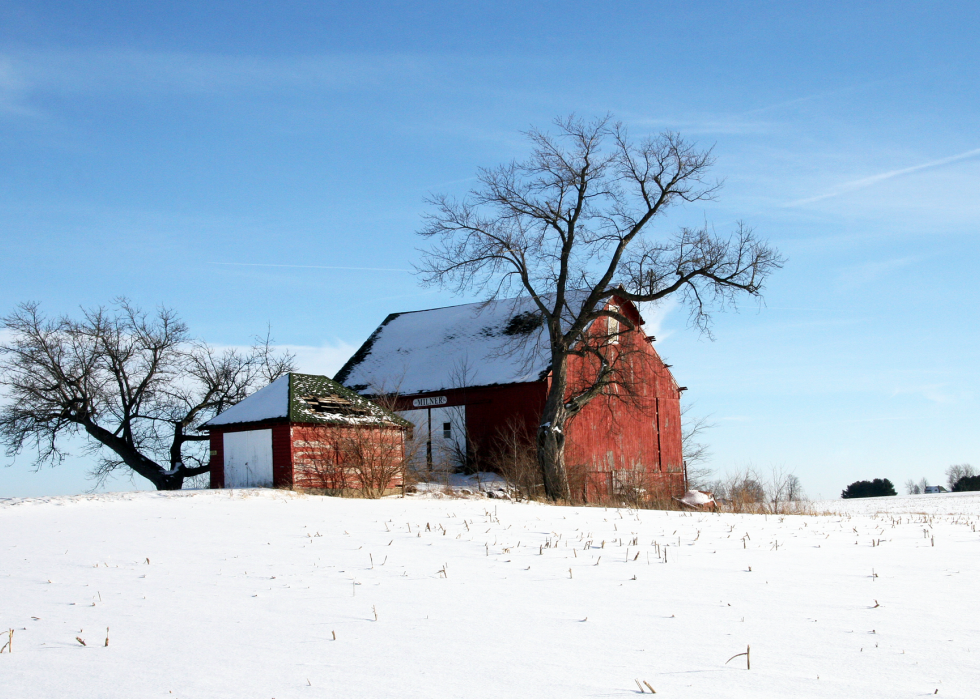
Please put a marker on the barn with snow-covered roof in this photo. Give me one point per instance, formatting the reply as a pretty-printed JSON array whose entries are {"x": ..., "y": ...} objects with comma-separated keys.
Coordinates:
[
  {"x": 308, "y": 431},
  {"x": 467, "y": 376}
]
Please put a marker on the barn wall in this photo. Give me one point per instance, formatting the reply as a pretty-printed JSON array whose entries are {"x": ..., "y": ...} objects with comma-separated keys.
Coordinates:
[
  {"x": 217, "y": 460},
  {"x": 490, "y": 410},
  {"x": 624, "y": 440},
  {"x": 282, "y": 457}
]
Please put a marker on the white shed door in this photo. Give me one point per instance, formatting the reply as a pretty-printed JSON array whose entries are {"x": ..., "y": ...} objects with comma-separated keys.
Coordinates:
[{"x": 248, "y": 459}]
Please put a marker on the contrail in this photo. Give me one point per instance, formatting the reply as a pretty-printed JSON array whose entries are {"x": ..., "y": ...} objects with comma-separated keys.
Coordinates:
[
  {"x": 263, "y": 264},
  {"x": 874, "y": 179}
]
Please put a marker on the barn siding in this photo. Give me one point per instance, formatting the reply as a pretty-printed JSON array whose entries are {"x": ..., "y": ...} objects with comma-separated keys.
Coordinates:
[
  {"x": 630, "y": 439},
  {"x": 282, "y": 456},
  {"x": 489, "y": 409},
  {"x": 217, "y": 463},
  {"x": 319, "y": 456}
]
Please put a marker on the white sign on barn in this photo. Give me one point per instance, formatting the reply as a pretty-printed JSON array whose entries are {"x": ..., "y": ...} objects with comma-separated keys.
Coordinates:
[{"x": 429, "y": 401}]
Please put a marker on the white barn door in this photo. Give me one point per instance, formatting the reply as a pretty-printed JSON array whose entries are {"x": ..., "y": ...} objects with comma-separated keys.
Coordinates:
[
  {"x": 248, "y": 459},
  {"x": 448, "y": 433}
]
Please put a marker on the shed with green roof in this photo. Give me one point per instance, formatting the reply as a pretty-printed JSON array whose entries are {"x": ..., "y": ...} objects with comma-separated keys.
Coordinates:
[{"x": 308, "y": 431}]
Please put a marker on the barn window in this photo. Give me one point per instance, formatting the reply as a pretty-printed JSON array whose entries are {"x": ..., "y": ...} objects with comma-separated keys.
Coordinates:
[
  {"x": 613, "y": 327},
  {"x": 447, "y": 430}
]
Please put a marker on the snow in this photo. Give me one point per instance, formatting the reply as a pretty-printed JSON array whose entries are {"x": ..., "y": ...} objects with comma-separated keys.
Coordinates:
[
  {"x": 453, "y": 347},
  {"x": 267, "y": 403},
  {"x": 239, "y": 594},
  {"x": 933, "y": 504},
  {"x": 695, "y": 498}
]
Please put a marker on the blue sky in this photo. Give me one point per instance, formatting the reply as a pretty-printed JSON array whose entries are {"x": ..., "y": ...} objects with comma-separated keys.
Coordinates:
[{"x": 176, "y": 153}]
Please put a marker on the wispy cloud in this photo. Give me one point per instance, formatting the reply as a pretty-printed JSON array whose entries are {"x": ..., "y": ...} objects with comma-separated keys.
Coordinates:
[
  {"x": 848, "y": 187},
  {"x": 817, "y": 96},
  {"x": 25, "y": 75},
  {"x": 853, "y": 276},
  {"x": 266, "y": 264},
  {"x": 325, "y": 359},
  {"x": 186, "y": 72},
  {"x": 655, "y": 314},
  {"x": 13, "y": 91},
  {"x": 716, "y": 125},
  {"x": 941, "y": 393},
  {"x": 750, "y": 121}
]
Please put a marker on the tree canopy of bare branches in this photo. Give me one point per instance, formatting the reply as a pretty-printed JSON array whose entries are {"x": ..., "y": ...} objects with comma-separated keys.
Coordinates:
[
  {"x": 573, "y": 221},
  {"x": 136, "y": 385}
]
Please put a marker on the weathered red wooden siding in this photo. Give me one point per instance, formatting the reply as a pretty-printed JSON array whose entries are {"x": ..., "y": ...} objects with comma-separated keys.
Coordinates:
[
  {"x": 620, "y": 438},
  {"x": 282, "y": 456},
  {"x": 217, "y": 460},
  {"x": 318, "y": 454}
]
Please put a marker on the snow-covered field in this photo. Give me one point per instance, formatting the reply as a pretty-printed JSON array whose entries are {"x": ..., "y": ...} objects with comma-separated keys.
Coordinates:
[{"x": 272, "y": 594}]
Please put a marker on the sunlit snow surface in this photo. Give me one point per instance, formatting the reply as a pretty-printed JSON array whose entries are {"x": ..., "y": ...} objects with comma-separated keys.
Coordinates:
[{"x": 244, "y": 590}]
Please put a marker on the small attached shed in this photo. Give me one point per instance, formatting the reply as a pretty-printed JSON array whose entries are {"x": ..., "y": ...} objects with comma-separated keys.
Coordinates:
[{"x": 307, "y": 431}]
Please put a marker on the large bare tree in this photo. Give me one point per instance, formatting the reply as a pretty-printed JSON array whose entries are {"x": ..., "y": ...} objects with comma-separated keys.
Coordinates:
[
  {"x": 569, "y": 227},
  {"x": 136, "y": 385}
]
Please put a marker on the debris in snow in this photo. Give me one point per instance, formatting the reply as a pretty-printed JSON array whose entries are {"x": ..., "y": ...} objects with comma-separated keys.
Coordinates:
[{"x": 697, "y": 499}]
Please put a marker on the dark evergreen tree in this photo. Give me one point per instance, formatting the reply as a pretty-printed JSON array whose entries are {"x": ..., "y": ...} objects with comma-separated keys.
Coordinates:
[
  {"x": 966, "y": 483},
  {"x": 869, "y": 489}
]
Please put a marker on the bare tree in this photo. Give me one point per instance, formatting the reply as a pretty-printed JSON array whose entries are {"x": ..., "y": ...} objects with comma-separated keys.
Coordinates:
[
  {"x": 794, "y": 488},
  {"x": 373, "y": 458},
  {"x": 136, "y": 385},
  {"x": 783, "y": 490},
  {"x": 694, "y": 450},
  {"x": 957, "y": 471},
  {"x": 911, "y": 488},
  {"x": 512, "y": 455},
  {"x": 567, "y": 228},
  {"x": 741, "y": 491}
]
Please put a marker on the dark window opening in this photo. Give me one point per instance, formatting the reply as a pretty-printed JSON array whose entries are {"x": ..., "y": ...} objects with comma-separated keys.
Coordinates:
[{"x": 332, "y": 404}]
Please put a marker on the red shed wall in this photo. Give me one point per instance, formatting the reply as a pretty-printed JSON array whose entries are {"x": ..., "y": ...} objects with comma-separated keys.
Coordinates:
[
  {"x": 321, "y": 456},
  {"x": 297, "y": 447}
]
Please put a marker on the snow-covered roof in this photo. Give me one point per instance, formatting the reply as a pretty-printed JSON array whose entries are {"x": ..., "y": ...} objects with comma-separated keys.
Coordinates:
[
  {"x": 267, "y": 403},
  {"x": 305, "y": 398},
  {"x": 475, "y": 344}
]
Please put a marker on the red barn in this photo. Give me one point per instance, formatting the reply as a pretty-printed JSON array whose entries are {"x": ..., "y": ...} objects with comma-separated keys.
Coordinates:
[
  {"x": 307, "y": 431},
  {"x": 467, "y": 375}
]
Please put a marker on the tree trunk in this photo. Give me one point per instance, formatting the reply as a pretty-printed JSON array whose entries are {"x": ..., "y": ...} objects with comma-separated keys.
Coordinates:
[
  {"x": 551, "y": 434},
  {"x": 169, "y": 482}
]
